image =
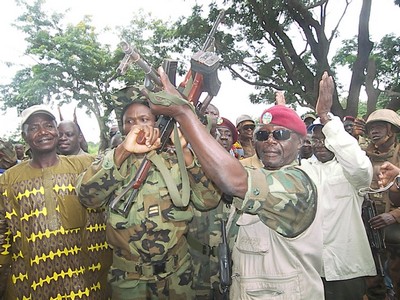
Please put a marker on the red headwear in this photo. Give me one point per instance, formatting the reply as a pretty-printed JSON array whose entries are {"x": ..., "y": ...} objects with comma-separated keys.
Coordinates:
[{"x": 284, "y": 116}]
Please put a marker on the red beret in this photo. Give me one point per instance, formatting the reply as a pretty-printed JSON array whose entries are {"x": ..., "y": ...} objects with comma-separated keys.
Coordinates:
[
  {"x": 284, "y": 116},
  {"x": 223, "y": 122}
]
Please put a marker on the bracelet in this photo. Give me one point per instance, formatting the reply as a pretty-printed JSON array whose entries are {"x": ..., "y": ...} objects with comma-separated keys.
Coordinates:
[{"x": 397, "y": 182}]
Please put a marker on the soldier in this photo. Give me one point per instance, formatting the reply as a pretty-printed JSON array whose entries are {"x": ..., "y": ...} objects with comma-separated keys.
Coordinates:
[
  {"x": 382, "y": 127},
  {"x": 205, "y": 229},
  {"x": 47, "y": 249},
  {"x": 8, "y": 156},
  {"x": 151, "y": 258},
  {"x": 279, "y": 242}
]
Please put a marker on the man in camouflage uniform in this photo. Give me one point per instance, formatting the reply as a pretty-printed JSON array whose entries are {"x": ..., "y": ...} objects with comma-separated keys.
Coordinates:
[
  {"x": 205, "y": 229},
  {"x": 151, "y": 259},
  {"x": 49, "y": 249},
  {"x": 279, "y": 244}
]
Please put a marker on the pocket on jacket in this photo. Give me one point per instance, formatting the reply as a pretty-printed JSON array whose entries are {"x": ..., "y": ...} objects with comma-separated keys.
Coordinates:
[{"x": 73, "y": 214}]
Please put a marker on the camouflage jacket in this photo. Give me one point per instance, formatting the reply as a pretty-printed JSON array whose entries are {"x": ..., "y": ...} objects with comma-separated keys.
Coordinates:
[
  {"x": 154, "y": 224},
  {"x": 285, "y": 200}
]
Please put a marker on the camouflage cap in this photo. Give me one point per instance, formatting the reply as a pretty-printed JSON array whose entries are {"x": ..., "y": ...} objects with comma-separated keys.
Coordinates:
[
  {"x": 384, "y": 115},
  {"x": 127, "y": 95}
]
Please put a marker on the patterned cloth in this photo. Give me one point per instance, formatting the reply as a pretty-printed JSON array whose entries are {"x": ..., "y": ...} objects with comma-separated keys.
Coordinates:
[
  {"x": 151, "y": 256},
  {"x": 56, "y": 247}
]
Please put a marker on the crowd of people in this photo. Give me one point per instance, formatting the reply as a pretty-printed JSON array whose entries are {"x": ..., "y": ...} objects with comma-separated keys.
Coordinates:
[{"x": 146, "y": 218}]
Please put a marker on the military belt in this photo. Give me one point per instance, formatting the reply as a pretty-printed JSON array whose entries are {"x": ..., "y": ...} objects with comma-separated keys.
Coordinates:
[
  {"x": 174, "y": 260},
  {"x": 201, "y": 247}
]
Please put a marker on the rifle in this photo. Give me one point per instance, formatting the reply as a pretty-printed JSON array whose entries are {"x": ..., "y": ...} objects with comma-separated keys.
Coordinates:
[
  {"x": 202, "y": 77},
  {"x": 224, "y": 263}
]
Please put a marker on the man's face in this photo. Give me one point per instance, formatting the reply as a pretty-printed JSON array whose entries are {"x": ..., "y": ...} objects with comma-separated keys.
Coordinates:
[
  {"x": 69, "y": 138},
  {"x": 40, "y": 133},
  {"x": 348, "y": 126},
  {"x": 276, "y": 152},
  {"x": 213, "y": 112},
  {"x": 225, "y": 137},
  {"x": 318, "y": 146},
  {"x": 306, "y": 149},
  {"x": 246, "y": 129},
  {"x": 20, "y": 150},
  {"x": 137, "y": 114},
  {"x": 378, "y": 132}
]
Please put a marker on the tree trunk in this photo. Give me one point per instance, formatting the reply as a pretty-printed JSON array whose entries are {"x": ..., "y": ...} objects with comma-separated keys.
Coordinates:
[{"x": 360, "y": 65}]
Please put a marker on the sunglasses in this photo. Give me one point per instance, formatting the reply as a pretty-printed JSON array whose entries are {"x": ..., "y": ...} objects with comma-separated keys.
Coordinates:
[
  {"x": 279, "y": 135},
  {"x": 247, "y": 127}
]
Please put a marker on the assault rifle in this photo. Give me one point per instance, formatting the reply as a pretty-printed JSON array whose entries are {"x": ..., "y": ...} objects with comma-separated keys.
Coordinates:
[
  {"x": 202, "y": 77},
  {"x": 224, "y": 262},
  {"x": 375, "y": 236}
]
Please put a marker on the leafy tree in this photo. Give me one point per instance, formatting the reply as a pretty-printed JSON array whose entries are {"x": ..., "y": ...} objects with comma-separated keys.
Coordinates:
[
  {"x": 71, "y": 63},
  {"x": 281, "y": 45},
  {"x": 382, "y": 79}
]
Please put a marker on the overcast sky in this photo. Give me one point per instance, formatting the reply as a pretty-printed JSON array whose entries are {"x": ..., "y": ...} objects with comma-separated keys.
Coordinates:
[{"x": 232, "y": 98}]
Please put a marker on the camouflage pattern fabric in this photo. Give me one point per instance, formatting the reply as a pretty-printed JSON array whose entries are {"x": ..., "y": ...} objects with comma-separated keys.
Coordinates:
[
  {"x": 56, "y": 247},
  {"x": 8, "y": 156},
  {"x": 150, "y": 248},
  {"x": 206, "y": 229},
  {"x": 283, "y": 199}
]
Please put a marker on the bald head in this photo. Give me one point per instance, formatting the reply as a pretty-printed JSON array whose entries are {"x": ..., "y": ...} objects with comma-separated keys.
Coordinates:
[{"x": 70, "y": 138}]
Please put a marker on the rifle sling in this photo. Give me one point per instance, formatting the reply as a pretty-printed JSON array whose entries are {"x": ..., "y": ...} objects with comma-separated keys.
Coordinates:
[{"x": 171, "y": 185}]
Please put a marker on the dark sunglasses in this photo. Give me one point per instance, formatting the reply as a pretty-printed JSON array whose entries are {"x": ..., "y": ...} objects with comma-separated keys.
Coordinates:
[
  {"x": 279, "y": 135},
  {"x": 247, "y": 127}
]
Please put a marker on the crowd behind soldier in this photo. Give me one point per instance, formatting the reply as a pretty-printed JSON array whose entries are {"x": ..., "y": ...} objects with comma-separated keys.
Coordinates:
[{"x": 252, "y": 216}]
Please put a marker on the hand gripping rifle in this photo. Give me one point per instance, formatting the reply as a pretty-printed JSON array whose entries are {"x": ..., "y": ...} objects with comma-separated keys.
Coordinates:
[
  {"x": 202, "y": 77},
  {"x": 375, "y": 236}
]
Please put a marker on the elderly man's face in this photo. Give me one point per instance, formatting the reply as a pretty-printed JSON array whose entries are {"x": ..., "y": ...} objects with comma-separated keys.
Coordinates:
[
  {"x": 318, "y": 144},
  {"x": 276, "y": 152},
  {"x": 246, "y": 129}
]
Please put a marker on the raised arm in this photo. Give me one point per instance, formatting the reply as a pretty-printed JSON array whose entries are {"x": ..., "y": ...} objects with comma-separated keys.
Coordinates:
[{"x": 222, "y": 168}]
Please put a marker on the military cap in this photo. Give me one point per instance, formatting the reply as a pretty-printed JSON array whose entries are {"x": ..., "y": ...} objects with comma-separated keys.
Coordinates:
[
  {"x": 224, "y": 122},
  {"x": 284, "y": 116}
]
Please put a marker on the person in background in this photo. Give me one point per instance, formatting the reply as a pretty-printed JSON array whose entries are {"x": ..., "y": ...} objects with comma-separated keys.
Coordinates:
[
  {"x": 115, "y": 136},
  {"x": 20, "y": 151},
  {"x": 279, "y": 241},
  {"x": 205, "y": 229},
  {"x": 150, "y": 249},
  {"x": 69, "y": 138},
  {"x": 213, "y": 113},
  {"x": 244, "y": 146},
  {"x": 47, "y": 251},
  {"x": 382, "y": 127},
  {"x": 341, "y": 169},
  {"x": 8, "y": 156},
  {"x": 348, "y": 124},
  {"x": 306, "y": 148},
  {"x": 308, "y": 119}
]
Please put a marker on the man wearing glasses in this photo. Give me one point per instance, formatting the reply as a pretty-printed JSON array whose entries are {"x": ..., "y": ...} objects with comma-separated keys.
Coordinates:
[
  {"x": 245, "y": 145},
  {"x": 340, "y": 171},
  {"x": 278, "y": 245}
]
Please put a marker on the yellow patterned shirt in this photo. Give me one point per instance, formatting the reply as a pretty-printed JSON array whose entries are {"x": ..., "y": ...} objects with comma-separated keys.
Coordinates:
[{"x": 52, "y": 247}]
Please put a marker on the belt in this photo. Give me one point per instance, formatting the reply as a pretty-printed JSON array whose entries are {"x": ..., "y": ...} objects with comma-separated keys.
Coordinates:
[
  {"x": 175, "y": 258},
  {"x": 201, "y": 247}
]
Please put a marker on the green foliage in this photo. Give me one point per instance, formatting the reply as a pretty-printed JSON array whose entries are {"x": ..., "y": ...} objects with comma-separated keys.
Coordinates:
[
  {"x": 71, "y": 63},
  {"x": 93, "y": 148}
]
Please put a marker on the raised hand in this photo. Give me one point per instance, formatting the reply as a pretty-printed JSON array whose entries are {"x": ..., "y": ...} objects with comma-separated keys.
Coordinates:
[{"x": 325, "y": 97}]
